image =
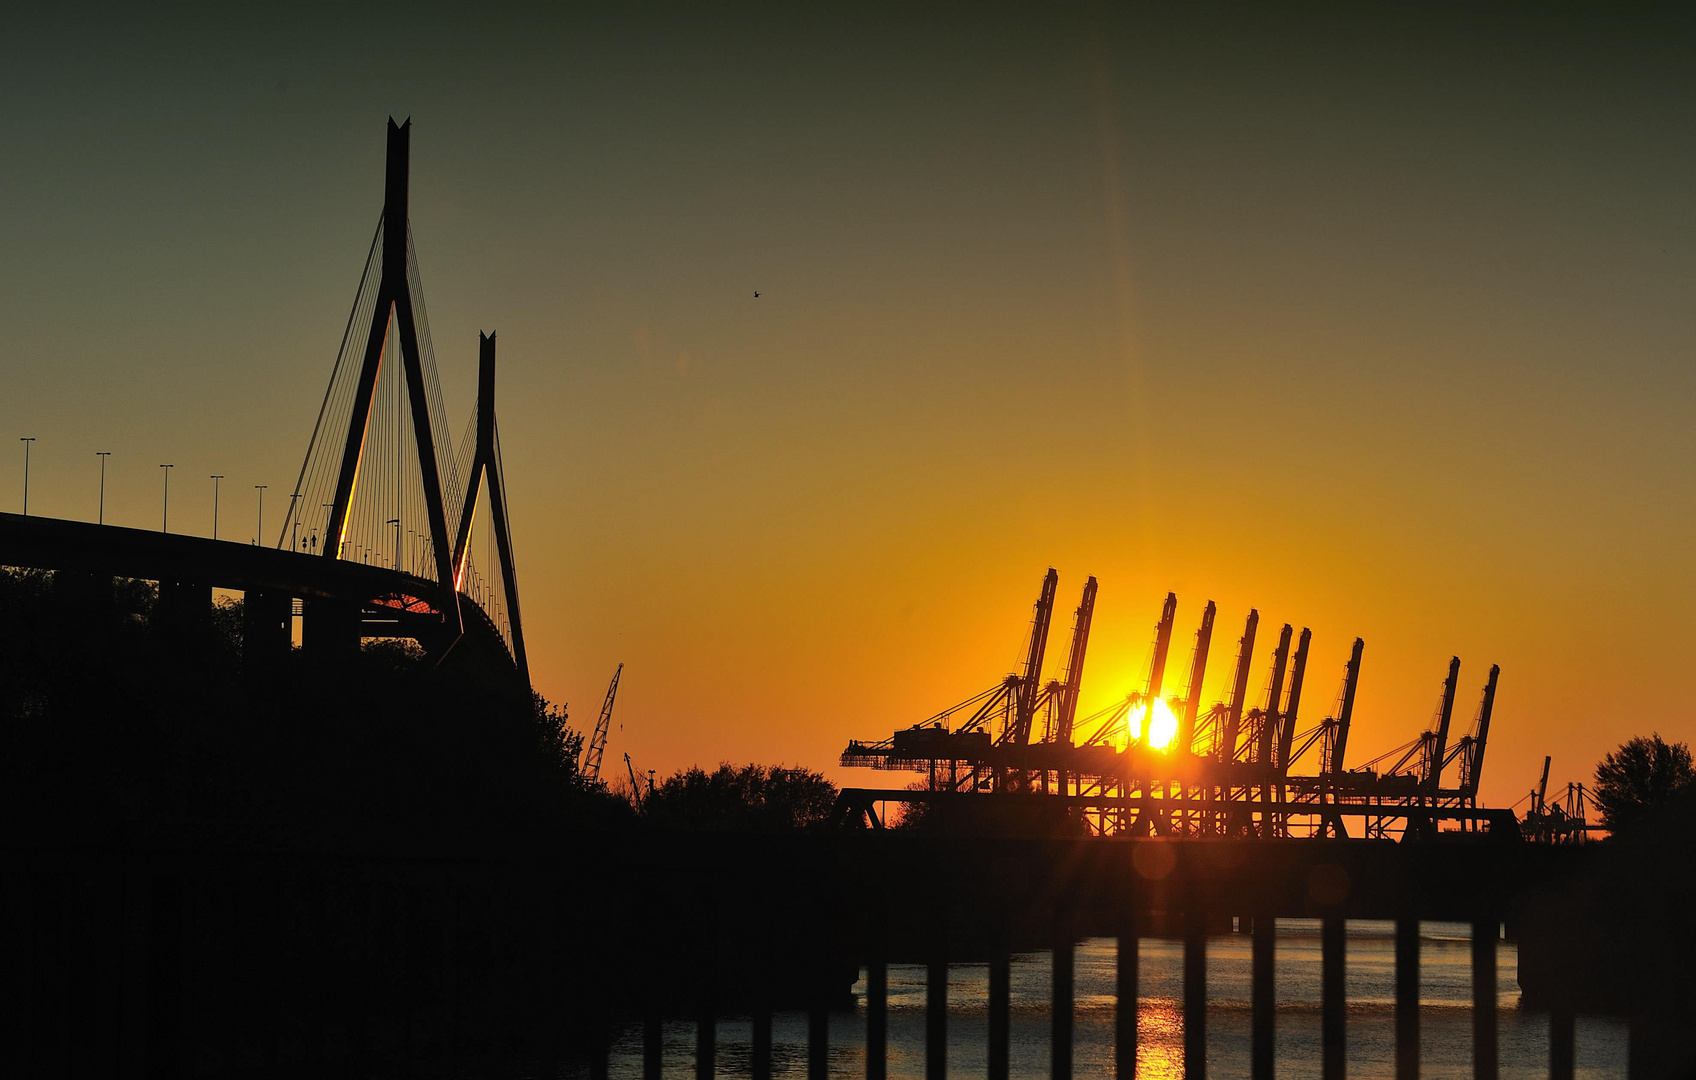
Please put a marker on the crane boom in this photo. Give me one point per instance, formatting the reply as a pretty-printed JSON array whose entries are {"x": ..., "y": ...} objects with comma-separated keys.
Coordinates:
[
  {"x": 1198, "y": 668},
  {"x": 1543, "y": 785},
  {"x": 1480, "y": 738},
  {"x": 1028, "y": 685},
  {"x": 598, "y": 742},
  {"x": 1075, "y": 662},
  {"x": 1157, "y": 668},
  {"x": 635, "y": 788},
  {"x": 1239, "y": 689},
  {"x": 1351, "y": 682},
  {"x": 1434, "y": 779},
  {"x": 1287, "y": 724},
  {"x": 1274, "y": 697}
]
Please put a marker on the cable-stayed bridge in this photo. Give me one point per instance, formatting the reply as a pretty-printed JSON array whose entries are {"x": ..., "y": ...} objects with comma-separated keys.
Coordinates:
[{"x": 390, "y": 531}]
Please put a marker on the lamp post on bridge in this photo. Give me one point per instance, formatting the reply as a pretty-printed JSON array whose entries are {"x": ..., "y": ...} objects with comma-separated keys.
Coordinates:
[
  {"x": 102, "y": 455},
  {"x": 165, "y": 519},
  {"x": 215, "y": 478},
  {"x": 396, "y": 523},
  {"x": 294, "y": 524},
  {"x": 26, "y": 440},
  {"x": 259, "y": 533}
]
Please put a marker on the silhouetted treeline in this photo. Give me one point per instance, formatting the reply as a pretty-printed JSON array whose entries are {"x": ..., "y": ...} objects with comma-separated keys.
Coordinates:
[
  {"x": 1640, "y": 780},
  {"x": 731, "y": 798}
]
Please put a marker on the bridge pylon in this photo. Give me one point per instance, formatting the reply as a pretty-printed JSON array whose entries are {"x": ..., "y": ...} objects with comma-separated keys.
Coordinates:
[
  {"x": 486, "y": 465},
  {"x": 394, "y": 301}
]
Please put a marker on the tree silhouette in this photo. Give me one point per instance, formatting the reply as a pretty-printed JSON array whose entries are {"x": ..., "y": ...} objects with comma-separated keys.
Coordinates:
[
  {"x": 750, "y": 798},
  {"x": 1640, "y": 778}
]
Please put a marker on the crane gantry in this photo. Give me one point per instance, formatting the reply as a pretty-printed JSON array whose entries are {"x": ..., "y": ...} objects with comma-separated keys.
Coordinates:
[{"x": 1224, "y": 770}]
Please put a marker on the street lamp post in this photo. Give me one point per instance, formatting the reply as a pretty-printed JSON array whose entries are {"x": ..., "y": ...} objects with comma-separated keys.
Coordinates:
[
  {"x": 26, "y": 440},
  {"x": 215, "y": 477},
  {"x": 294, "y": 524},
  {"x": 102, "y": 455},
  {"x": 165, "y": 519},
  {"x": 396, "y": 523},
  {"x": 259, "y": 534}
]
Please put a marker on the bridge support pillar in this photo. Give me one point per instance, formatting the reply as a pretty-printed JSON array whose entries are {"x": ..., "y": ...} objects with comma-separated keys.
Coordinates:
[
  {"x": 1484, "y": 1059},
  {"x": 1407, "y": 998},
  {"x": 877, "y": 1007},
  {"x": 936, "y": 1010},
  {"x": 265, "y": 633},
  {"x": 1061, "y": 1013},
  {"x": 330, "y": 628},
  {"x": 1263, "y": 994},
  {"x": 1333, "y": 1002},
  {"x": 1000, "y": 1001},
  {"x": 1128, "y": 996},
  {"x": 1195, "y": 991}
]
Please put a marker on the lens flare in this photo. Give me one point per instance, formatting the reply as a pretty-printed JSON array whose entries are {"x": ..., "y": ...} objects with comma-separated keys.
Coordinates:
[{"x": 1162, "y": 726}]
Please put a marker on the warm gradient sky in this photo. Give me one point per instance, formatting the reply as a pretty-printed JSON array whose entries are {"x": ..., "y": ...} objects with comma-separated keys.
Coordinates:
[{"x": 1381, "y": 323}]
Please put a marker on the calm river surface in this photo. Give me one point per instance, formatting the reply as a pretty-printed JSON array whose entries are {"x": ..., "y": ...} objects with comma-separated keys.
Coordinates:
[{"x": 1445, "y": 1022}]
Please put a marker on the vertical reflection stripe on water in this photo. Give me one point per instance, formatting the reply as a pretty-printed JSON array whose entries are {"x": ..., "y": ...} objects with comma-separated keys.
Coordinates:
[{"x": 1445, "y": 1020}]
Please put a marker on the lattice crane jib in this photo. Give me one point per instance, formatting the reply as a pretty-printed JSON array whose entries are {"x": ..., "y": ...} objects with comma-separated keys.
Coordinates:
[{"x": 603, "y": 725}]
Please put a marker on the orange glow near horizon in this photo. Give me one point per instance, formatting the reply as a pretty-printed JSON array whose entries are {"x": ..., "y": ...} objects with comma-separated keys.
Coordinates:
[{"x": 1022, "y": 305}]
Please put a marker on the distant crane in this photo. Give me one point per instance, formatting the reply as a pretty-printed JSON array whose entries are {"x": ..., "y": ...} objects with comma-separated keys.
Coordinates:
[
  {"x": 635, "y": 788},
  {"x": 598, "y": 743}
]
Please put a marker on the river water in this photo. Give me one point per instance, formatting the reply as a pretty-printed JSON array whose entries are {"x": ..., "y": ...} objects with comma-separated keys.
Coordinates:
[{"x": 1445, "y": 1017}]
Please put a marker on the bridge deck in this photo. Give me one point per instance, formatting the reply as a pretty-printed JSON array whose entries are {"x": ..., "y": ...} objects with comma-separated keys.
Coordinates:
[{"x": 57, "y": 544}]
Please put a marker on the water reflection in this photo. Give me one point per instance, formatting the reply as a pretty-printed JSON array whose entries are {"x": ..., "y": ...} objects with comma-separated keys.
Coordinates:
[{"x": 1445, "y": 1024}]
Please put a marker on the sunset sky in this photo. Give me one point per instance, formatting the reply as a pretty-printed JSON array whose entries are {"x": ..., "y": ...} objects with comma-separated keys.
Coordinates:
[{"x": 1381, "y": 324}]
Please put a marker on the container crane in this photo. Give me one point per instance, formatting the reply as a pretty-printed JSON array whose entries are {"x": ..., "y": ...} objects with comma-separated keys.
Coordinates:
[
  {"x": 1471, "y": 747},
  {"x": 1333, "y": 764},
  {"x": 1075, "y": 663},
  {"x": 1287, "y": 722},
  {"x": 635, "y": 788},
  {"x": 1074, "y": 677},
  {"x": 1261, "y": 748},
  {"x": 1239, "y": 689},
  {"x": 1198, "y": 668},
  {"x": 598, "y": 742},
  {"x": 1432, "y": 780},
  {"x": 1157, "y": 667},
  {"x": 1026, "y": 699}
]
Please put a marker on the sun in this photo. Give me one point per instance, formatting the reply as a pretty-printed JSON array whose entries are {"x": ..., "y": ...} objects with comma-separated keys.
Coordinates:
[{"x": 1162, "y": 726}]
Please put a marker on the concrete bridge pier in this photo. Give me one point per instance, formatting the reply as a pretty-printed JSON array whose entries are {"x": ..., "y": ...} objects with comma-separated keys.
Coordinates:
[
  {"x": 266, "y": 637},
  {"x": 329, "y": 627}
]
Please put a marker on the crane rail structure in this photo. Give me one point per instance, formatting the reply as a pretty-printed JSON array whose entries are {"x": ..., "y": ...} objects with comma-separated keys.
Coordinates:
[{"x": 1156, "y": 763}]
